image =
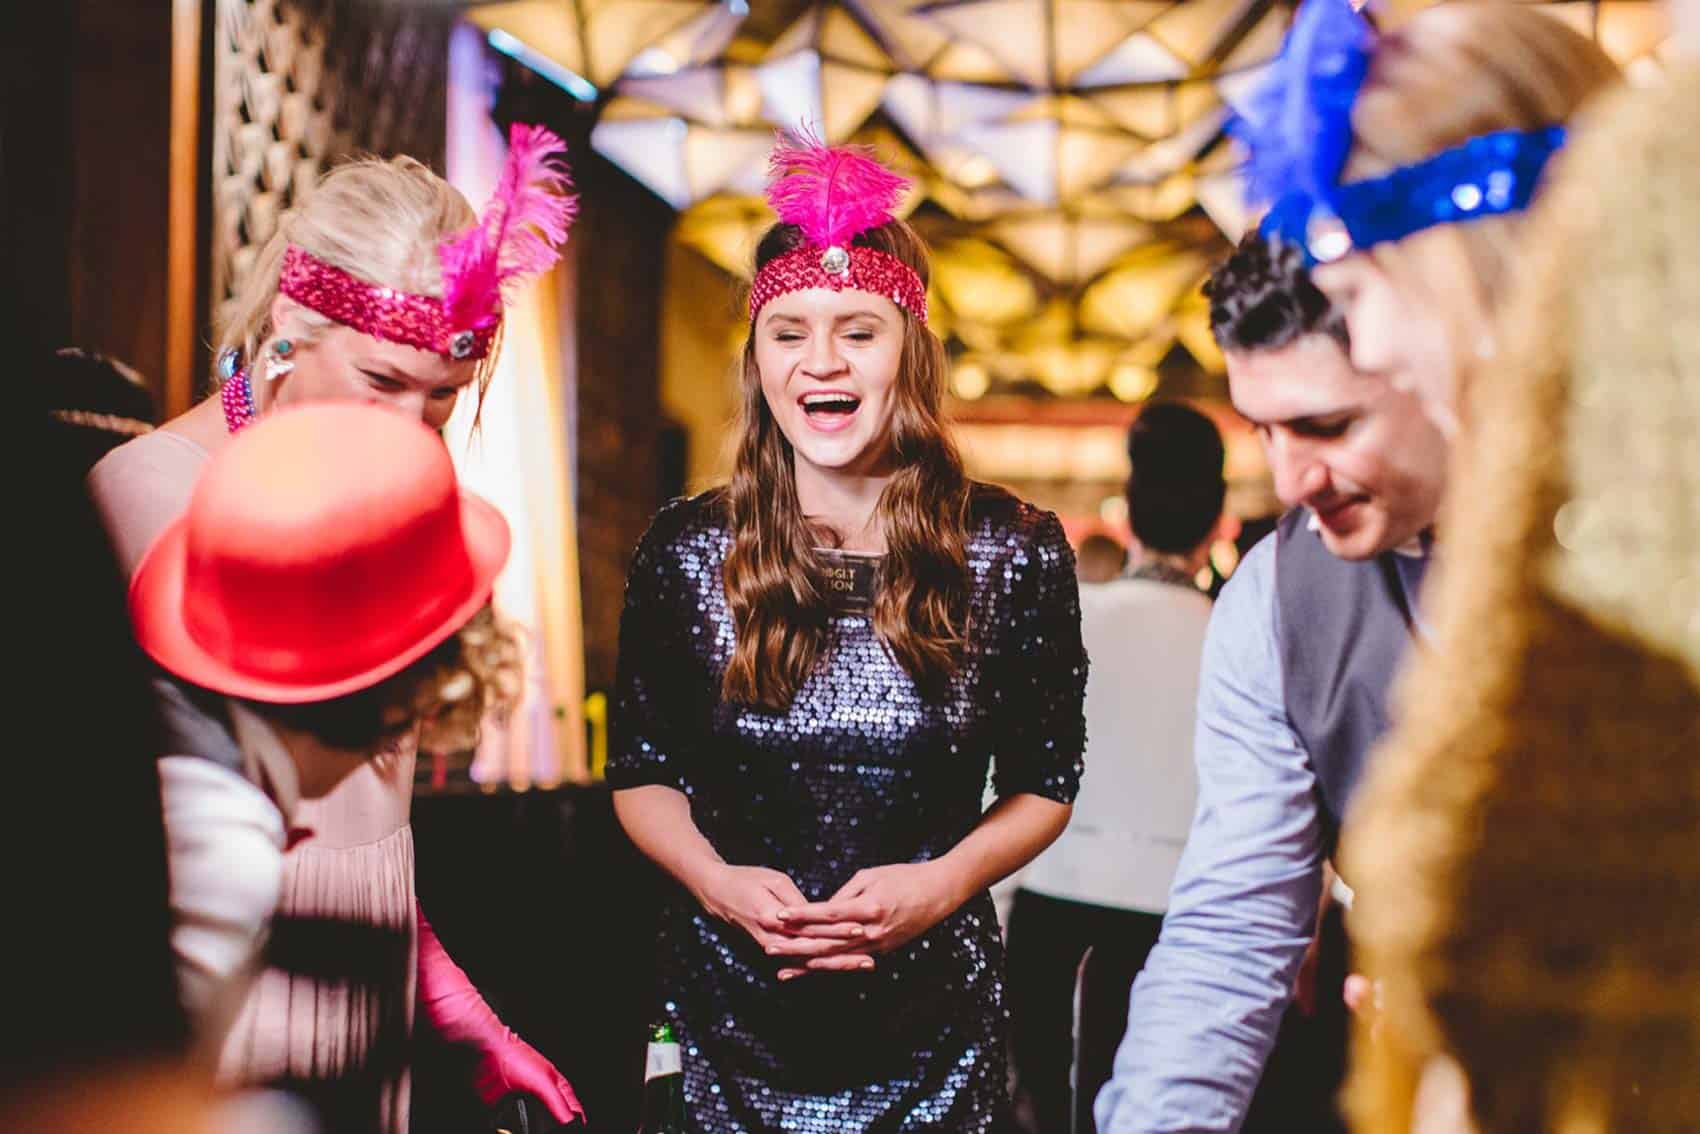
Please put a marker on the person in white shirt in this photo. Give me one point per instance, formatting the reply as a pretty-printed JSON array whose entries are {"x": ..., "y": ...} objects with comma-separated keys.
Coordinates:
[{"x": 1104, "y": 884}]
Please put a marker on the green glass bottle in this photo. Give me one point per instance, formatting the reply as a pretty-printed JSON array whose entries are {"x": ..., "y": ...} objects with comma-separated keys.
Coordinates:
[{"x": 663, "y": 1083}]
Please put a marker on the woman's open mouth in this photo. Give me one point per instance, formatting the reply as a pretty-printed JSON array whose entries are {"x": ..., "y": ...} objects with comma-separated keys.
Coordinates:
[{"x": 829, "y": 410}]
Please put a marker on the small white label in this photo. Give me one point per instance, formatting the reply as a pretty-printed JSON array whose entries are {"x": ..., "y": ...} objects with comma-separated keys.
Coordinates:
[{"x": 663, "y": 1059}]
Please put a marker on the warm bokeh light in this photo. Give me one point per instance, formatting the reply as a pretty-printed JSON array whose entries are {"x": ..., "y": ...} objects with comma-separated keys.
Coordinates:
[
  {"x": 516, "y": 458},
  {"x": 970, "y": 380},
  {"x": 1225, "y": 556},
  {"x": 983, "y": 283},
  {"x": 1131, "y": 382}
]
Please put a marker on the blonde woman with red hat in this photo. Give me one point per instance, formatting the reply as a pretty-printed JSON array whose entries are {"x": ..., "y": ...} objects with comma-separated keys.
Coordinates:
[{"x": 382, "y": 287}]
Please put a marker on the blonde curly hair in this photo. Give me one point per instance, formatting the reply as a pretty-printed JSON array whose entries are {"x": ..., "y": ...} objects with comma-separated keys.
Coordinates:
[
  {"x": 380, "y": 220},
  {"x": 472, "y": 675},
  {"x": 1526, "y": 846}
]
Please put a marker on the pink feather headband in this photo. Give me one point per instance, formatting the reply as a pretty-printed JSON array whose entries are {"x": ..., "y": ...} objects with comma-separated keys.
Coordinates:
[
  {"x": 834, "y": 195},
  {"x": 519, "y": 235}
]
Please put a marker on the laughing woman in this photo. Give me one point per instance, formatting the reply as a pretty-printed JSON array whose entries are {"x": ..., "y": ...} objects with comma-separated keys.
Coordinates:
[{"x": 818, "y": 664}]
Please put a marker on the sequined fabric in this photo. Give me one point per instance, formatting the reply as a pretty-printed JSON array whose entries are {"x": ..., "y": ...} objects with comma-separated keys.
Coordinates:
[
  {"x": 869, "y": 270},
  {"x": 1486, "y": 176},
  {"x": 382, "y": 312},
  {"x": 859, "y": 772}
]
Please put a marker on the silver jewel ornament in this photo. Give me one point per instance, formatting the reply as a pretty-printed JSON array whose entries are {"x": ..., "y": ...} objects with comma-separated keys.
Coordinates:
[
  {"x": 1326, "y": 237},
  {"x": 461, "y": 344},
  {"x": 229, "y": 363},
  {"x": 835, "y": 261}
]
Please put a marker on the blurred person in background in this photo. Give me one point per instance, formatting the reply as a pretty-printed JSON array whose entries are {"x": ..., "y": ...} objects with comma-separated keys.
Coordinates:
[
  {"x": 87, "y": 913},
  {"x": 1104, "y": 884},
  {"x": 1099, "y": 558},
  {"x": 95, "y": 1039}
]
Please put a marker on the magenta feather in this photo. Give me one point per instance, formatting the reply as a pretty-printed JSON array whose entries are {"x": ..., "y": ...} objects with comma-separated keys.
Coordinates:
[
  {"x": 831, "y": 193},
  {"x": 519, "y": 234}
]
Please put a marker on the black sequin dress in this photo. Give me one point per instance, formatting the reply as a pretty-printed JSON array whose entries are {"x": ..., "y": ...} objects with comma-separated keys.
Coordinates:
[{"x": 860, "y": 772}]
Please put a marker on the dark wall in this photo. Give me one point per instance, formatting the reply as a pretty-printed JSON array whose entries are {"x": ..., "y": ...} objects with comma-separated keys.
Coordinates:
[
  {"x": 551, "y": 911},
  {"x": 87, "y": 176},
  {"x": 623, "y": 232},
  {"x": 36, "y": 170},
  {"x": 88, "y": 157}
]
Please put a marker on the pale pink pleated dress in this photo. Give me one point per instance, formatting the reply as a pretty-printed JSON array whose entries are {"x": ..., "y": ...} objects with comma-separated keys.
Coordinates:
[{"x": 356, "y": 868}]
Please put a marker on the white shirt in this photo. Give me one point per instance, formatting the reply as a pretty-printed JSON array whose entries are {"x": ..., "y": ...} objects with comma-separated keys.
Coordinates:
[
  {"x": 225, "y": 837},
  {"x": 1130, "y": 823}
]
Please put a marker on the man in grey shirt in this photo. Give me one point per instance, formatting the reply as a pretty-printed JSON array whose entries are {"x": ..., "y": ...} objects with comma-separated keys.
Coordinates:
[{"x": 1292, "y": 695}]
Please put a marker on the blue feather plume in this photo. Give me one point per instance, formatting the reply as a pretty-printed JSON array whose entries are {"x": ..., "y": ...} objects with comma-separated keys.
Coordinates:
[{"x": 1298, "y": 124}]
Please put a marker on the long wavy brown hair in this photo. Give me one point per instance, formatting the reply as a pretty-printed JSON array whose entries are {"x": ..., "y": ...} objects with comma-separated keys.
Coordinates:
[{"x": 774, "y": 576}]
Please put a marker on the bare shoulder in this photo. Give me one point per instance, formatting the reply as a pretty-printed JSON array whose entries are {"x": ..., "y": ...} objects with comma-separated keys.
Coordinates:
[
  {"x": 202, "y": 425},
  {"x": 142, "y": 485}
]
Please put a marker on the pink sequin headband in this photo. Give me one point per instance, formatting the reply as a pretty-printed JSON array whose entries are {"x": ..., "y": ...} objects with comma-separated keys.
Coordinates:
[
  {"x": 519, "y": 235},
  {"x": 833, "y": 195},
  {"x": 382, "y": 312}
]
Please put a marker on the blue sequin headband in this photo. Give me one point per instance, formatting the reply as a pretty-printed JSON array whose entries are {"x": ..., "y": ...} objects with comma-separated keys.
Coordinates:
[
  {"x": 1486, "y": 176},
  {"x": 1298, "y": 128}
]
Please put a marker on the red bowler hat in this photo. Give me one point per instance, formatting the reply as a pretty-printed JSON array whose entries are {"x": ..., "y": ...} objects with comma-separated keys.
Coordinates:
[{"x": 324, "y": 550}]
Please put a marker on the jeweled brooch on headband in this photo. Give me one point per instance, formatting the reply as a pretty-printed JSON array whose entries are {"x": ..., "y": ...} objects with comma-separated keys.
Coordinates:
[
  {"x": 834, "y": 194},
  {"x": 519, "y": 235},
  {"x": 1298, "y": 129}
]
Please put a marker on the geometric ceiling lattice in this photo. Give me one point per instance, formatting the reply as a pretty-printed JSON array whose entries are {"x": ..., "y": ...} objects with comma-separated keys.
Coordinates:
[
  {"x": 825, "y": 71},
  {"x": 1065, "y": 248},
  {"x": 725, "y": 230},
  {"x": 595, "y": 41},
  {"x": 1142, "y": 293},
  {"x": 1045, "y": 44},
  {"x": 699, "y": 40},
  {"x": 1071, "y": 167}
]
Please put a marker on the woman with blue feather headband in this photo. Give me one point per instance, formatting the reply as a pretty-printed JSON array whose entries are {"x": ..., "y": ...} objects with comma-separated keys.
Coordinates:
[
  {"x": 1400, "y": 164},
  {"x": 1395, "y": 166}
]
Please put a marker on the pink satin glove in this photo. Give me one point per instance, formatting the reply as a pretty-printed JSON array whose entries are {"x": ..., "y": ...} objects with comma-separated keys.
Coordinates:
[{"x": 459, "y": 1014}]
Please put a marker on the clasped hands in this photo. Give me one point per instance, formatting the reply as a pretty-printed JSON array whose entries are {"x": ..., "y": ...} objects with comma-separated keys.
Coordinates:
[{"x": 878, "y": 910}]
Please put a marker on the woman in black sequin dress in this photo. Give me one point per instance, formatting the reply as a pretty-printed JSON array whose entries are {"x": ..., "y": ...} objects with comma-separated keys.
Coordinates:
[{"x": 818, "y": 666}]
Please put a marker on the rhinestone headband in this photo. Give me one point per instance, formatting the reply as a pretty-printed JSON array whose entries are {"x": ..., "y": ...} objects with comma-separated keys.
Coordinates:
[
  {"x": 518, "y": 236},
  {"x": 837, "y": 268},
  {"x": 382, "y": 312},
  {"x": 833, "y": 194},
  {"x": 1487, "y": 176},
  {"x": 1297, "y": 128}
]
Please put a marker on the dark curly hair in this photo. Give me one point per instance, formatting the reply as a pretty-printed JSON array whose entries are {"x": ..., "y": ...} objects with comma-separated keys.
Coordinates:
[{"x": 1263, "y": 298}]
